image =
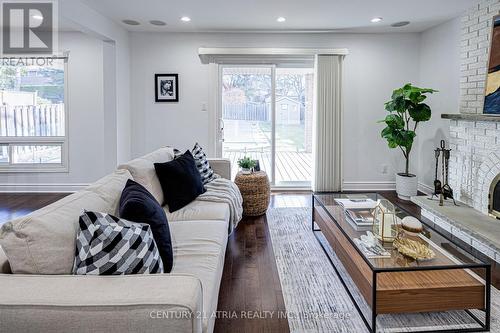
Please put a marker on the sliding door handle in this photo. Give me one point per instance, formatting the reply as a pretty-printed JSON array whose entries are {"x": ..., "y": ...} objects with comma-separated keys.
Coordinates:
[{"x": 221, "y": 130}]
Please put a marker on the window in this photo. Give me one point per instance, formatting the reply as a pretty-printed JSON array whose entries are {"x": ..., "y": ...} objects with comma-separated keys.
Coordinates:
[{"x": 33, "y": 119}]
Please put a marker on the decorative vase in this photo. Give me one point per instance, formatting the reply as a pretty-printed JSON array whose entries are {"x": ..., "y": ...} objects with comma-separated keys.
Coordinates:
[
  {"x": 406, "y": 186},
  {"x": 246, "y": 171}
]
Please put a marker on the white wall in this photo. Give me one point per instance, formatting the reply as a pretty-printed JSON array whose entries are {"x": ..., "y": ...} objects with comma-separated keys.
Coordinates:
[
  {"x": 86, "y": 121},
  {"x": 77, "y": 14},
  {"x": 439, "y": 69},
  {"x": 377, "y": 64}
]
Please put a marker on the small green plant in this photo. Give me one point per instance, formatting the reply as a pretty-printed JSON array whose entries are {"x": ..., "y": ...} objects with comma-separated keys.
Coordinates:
[
  {"x": 406, "y": 110},
  {"x": 246, "y": 163}
]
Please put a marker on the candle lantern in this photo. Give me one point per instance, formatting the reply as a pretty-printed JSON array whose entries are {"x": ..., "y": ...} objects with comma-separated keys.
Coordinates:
[{"x": 384, "y": 221}]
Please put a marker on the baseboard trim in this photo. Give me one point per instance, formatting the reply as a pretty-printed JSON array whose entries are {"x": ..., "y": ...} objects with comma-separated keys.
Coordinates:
[
  {"x": 425, "y": 188},
  {"x": 69, "y": 188},
  {"x": 41, "y": 188},
  {"x": 369, "y": 186}
]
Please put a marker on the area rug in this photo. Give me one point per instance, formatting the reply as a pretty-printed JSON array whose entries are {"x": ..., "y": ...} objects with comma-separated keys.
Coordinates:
[{"x": 316, "y": 300}]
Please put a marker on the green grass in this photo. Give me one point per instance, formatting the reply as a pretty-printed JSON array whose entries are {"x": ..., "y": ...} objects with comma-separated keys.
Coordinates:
[{"x": 292, "y": 135}]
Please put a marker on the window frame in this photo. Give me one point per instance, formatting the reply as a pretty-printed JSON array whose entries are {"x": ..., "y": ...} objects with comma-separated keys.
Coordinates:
[{"x": 42, "y": 140}]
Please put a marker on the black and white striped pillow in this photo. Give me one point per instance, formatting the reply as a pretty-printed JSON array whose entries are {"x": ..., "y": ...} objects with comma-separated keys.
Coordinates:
[
  {"x": 108, "y": 245},
  {"x": 200, "y": 158}
]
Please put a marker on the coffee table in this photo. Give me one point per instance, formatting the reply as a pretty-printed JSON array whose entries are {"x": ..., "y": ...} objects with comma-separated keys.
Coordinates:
[{"x": 398, "y": 284}]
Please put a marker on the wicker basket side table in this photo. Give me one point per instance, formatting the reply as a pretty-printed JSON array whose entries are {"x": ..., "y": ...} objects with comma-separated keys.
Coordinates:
[{"x": 255, "y": 191}]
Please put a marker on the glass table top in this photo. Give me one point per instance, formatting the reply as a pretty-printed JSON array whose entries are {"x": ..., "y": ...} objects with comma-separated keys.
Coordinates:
[{"x": 447, "y": 254}]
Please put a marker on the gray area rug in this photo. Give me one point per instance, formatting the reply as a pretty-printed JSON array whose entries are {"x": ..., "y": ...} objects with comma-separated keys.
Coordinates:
[{"x": 316, "y": 300}]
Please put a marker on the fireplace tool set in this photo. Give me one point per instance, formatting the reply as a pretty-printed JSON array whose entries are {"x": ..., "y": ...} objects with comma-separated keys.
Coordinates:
[{"x": 443, "y": 191}]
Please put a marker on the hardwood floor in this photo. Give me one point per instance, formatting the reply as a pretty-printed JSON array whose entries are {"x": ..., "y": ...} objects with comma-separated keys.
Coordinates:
[
  {"x": 250, "y": 281},
  {"x": 13, "y": 205}
]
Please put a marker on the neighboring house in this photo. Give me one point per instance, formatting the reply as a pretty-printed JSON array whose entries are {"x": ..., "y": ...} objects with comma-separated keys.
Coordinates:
[{"x": 287, "y": 111}]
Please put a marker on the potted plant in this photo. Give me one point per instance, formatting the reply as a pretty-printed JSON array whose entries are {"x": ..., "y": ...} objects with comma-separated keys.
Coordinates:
[
  {"x": 406, "y": 110},
  {"x": 246, "y": 164}
]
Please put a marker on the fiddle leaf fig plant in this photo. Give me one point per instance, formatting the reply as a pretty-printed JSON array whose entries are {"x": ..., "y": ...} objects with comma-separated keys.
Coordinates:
[{"x": 406, "y": 110}]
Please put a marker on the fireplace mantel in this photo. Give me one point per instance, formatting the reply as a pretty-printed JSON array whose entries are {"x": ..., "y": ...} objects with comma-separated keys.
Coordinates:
[
  {"x": 471, "y": 117},
  {"x": 475, "y": 229}
]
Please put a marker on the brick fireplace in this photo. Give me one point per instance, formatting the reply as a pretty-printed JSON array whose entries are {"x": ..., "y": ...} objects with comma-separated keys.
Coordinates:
[
  {"x": 475, "y": 160},
  {"x": 475, "y": 137},
  {"x": 474, "y": 167}
]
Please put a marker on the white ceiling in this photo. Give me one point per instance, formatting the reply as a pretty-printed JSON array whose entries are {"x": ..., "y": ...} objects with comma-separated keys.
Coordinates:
[{"x": 301, "y": 15}]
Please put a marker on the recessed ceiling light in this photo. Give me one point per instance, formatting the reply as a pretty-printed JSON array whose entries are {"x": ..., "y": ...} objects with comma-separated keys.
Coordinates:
[
  {"x": 185, "y": 19},
  {"x": 281, "y": 19},
  {"x": 157, "y": 22},
  {"x": 400, "y": 24},
  {"x": 37, "y": 17},
  {"x": 131, "y": 22},
  {"x": 376, "y": 19}
]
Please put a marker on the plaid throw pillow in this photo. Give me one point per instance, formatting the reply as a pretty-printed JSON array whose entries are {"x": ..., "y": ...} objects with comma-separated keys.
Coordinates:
[
  {"x": 200, "y": 158},
  {"x": 107, "y": 245}
]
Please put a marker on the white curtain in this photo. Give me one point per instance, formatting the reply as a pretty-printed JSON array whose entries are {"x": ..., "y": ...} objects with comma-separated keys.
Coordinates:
[{"x": 328, "y": 124}]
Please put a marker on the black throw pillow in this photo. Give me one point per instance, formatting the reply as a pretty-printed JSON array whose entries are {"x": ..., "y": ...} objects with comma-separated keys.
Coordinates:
[
  {"x": 138, "y": 205},
  {"x": 180, "y": 181}
]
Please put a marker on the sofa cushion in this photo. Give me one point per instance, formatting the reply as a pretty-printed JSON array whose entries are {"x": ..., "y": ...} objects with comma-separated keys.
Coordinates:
[
  {"x": 108, "y": 245},
  {"x": 180, "y": 181},
  {"x": 143, "y": 170},
  {"x": 110, "y": 187},
  {"x": 200, "y": 210},
  {"x": 43, "y": 242},
  {"x": 77, "y": 304},
  {"x": 199, "y": 250},
  {"x": 138, "y": 205}
]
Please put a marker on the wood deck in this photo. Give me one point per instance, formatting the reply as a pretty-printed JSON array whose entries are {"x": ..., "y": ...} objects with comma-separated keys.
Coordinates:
[{"x": 290, "y": 166}]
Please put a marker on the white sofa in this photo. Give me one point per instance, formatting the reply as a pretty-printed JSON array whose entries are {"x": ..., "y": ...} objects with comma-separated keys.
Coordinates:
[{"x": 38, "y": 293}]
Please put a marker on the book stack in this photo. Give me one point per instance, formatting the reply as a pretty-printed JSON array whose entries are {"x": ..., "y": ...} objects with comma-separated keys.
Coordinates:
[{"x": 358, "y": 212}]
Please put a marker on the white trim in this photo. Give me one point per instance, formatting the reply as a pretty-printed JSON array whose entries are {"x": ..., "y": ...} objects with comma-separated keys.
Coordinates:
[
  {"x": 262, "y": 54},
  {"x": 213, "y": 110},
  {"x": 291, "y": 188},
  {"x": 369, "y": 186},
  {"x": 273, "y": 125},
  {"x": 41, "y": 188},
  {"x": 425, "y": 188}
]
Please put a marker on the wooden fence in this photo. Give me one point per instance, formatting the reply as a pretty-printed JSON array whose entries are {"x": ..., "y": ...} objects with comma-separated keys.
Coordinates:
[
  {"x": 247, "y": 111},
  {"x": 32, "y": 120}
]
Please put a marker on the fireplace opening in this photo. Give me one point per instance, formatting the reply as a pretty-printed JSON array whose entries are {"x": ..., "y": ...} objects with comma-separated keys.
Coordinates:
[{"x": 494, "y": 206}]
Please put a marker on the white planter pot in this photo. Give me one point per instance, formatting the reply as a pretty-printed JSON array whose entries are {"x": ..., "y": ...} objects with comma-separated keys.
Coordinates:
[
  {"x": 246, "y": 171},
  {"x": 406, "y": 186}
]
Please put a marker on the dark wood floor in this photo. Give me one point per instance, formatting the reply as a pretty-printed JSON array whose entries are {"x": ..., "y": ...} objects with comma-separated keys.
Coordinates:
[
  {"x": 250, "y": 281},
  {"x": 13, "y": 205}
]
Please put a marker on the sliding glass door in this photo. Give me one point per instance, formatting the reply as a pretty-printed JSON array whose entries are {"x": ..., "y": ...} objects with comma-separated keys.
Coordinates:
[
  {"x": 293, "y": 129},
  {"x": 266, "y": 114}
]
